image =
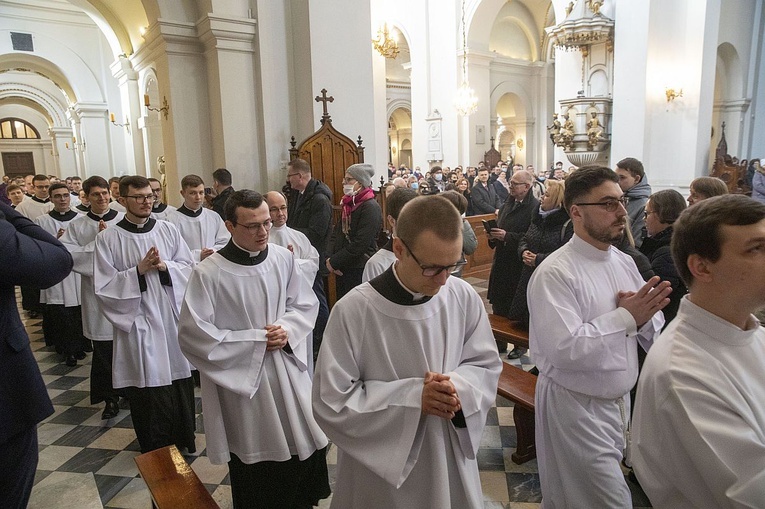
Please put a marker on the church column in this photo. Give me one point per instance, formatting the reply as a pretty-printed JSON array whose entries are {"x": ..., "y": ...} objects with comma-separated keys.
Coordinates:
[
  {"x": 66, "y": 160},
  {"x": 93, "y": 141},
  {"x": 475, "y": 130},
  {"x": 130, "y": 96}
]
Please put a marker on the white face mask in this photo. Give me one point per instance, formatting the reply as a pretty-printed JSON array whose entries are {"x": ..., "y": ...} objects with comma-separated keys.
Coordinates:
[{"x": 348, "y": 189}]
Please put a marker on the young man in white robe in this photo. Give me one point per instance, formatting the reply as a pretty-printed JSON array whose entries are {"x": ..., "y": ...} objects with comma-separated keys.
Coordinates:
[
  {"x": 305, "y": 254},
  {"x": 80, "y": 240},
  {"x": 62, "y": 318},
  {"x": 384, "y": 257},
  {"x": 141, "y": 267},
  {"x": 159, "y": 210},
  {"x": 114, "y": 189},
  {"x": 407, "y": 373},
  {"x": 699, "y": 425},
  {"x": 246, "y": 316},
  {"x": 201, "y": 228},
  {"x": 589, "y": 310}
]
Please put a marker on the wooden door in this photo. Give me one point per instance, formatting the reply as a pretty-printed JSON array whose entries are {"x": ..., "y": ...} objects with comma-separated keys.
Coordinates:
[{"x": 18, "y": 164}]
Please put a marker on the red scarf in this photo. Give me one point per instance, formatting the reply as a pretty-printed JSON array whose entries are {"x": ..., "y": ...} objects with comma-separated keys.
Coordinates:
[{"x": 351, "y": 203}]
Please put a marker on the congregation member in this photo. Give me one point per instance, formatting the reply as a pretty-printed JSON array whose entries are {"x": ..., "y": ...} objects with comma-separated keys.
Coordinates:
[
  {"x": 469, "y": 240},
  {"x": 29, "y": 257},
  {"x": 408, "y": 372},
  {"x": 141, "y": 268},
  {"x": 247, "y": 313},
  {"x": 698, "y": 425},
  {"x": 435, "y": 180},
  {"x": 513, "y": 221},
  {"x": 484, "y": 196},
  {"x": 62, "y": 315},
  {"x": 590, "y": 309},
  {"x": 463, "y": 187},
  {"x": 201, "y": 228},
  {"x": 384, "y": 257},
  {"x": 159, "y": 210},
  {"x": 80, "y": 240},
  {"x": 706, "y": 187},
  {"x": 356, "y": 233},
  {"x": 114, "y": 189},
  {"x": 634, "y": 183},
  {"x": 298, "y": 244},
  {"x": 223, "y": 189}
]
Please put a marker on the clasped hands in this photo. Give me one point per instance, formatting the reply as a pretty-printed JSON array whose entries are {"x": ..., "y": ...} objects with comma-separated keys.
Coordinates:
[
  {"x": 276, "y": 337},
  {"x": 439, "y": 396},
  {"x": 647, "y": 301},
  {"x": 151, "y": 261}
]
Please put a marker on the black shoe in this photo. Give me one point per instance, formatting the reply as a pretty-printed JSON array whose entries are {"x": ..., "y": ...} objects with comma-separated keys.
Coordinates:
[
  {"x": 111, "y": 410},
  {"x": 33, "y": 314},
  {"x": 89, "y": 346},
  {"x": 516, "y": 353},
  {"x": 79, "y": 356},
  {"x": 71, "y": 360}
]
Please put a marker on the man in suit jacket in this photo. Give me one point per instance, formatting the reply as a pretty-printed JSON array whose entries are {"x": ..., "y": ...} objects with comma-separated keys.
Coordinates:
[
  {"x": 484, "y": 196},
  {"x": 28, "y": 256}
]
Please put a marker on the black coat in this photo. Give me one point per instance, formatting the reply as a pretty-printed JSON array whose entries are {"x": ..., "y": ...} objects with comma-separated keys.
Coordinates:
[
  {"x": 506, "y": 268},
  {"x": 352, "y": 250},
  {"x": 311, "y": 215},
  {"x": 657, "y": 250},
  {"x": 545, "y": 235},
  {"x": 28, "y": 256},
  {"x": 219, "y": 202},
  {"x": 484, "y": 199}
]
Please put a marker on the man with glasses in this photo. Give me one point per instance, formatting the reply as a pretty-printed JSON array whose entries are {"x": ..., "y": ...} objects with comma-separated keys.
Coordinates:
[
  {"x": 590, "y": 312},
  {"x": 408, "y": 372},
  {"x": 245, "y": 319},
  {"x": 159, "y": 210},
  {"x": 141, "y": 268}
]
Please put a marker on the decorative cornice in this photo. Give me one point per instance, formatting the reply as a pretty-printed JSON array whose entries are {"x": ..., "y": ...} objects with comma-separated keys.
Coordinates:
[{"x": 230, "y": 34}]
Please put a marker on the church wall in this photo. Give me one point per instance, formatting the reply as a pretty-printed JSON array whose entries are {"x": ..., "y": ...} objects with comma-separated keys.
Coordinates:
[{"x": 757, "y": 133}]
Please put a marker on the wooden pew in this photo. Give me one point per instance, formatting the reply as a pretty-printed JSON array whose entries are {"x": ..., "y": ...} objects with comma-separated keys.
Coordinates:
[
  {"x": 171, "y": 481},
  {"x": 518, "y": 386},
  {"x": 509, "y": 331}
]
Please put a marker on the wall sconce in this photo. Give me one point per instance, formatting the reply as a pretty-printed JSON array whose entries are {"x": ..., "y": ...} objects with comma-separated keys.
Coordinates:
[
  {"x": 165, "y": 109},
  {"x": 385, "y": 44},
  {"x": 75, "y": 145},
  {"x": 673, "y": 94},
  {"x": 519, "y": 143},
  {"x": 126, "y": 125}
]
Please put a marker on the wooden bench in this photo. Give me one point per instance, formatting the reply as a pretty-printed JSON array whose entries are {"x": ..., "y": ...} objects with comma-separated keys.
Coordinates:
[
  {"x": 171, "y": 481},
  {"x": 509, "y": 331},
  {"x": 518, "y": 386}
]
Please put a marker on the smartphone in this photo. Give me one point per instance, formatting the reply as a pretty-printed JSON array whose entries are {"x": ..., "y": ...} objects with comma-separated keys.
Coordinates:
[
  {"x": 488, "y": 225},
  {"x": 208, "y": 190}
]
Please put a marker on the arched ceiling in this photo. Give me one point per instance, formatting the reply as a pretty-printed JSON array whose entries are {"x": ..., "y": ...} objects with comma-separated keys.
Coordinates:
[
  {"x": 512, "y": 28},
  {"x": 402, "y": 118},
  {"x": 396, "y": 69}
]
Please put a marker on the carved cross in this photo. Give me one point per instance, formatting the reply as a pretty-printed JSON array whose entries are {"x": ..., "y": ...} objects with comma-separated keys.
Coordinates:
[{"x": 324, "y": 99}]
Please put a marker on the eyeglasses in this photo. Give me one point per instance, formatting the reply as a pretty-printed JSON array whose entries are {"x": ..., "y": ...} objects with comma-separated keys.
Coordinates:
[
  {"x": 293, "y": 174},
  {"x": 349, "y": 180},
  {"x": 283, "y": 208},
  {"x": 609, "y": 205},
  {"x": 254, "y": 227},
  {"x": 513, "y": 183},
  {"x": 42, "y": 187},
  {"x": 142, "y": 198},
  {"x": 433, "y": 270}
]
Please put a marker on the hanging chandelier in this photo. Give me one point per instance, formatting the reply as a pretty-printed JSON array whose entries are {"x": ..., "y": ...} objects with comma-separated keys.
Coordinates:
[
  {"x": 465, "y": 101},
  {"x": 385, "y": 44}
]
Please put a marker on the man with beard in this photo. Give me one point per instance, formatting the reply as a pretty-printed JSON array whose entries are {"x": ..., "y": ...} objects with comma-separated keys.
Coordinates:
[
  {"x": 159, "y": 210},
  {"x": 590, "y": 309}
]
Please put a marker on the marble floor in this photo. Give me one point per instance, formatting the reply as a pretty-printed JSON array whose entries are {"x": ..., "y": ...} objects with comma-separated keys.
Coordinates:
[{"x": 87, "y": 463}]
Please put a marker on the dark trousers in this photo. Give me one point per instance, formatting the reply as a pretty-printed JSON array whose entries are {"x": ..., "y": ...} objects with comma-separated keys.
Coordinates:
[
  {"x": 322, "y": 317},
  {"x": 30, "y": 299},
  {"x": 101, "y": 388},
  {"x": 350, "y": 279},
  {"x": 18, "y": 462},
  {"x": 291, "y": 484}
]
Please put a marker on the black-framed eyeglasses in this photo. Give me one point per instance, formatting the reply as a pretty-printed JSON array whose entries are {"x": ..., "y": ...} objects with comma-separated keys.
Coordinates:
[
  {"x": 433, "y": 270},
  {"x": 610, "y": 205},
  {"x": 142, "y": 198},
  {"x": 293, "y": 174},
  {"x": 254, "y": 227},
  {"x": 513, "y": 183}
]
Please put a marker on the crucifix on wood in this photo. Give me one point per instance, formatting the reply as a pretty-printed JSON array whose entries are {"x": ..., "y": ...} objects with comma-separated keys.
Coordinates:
[{"x": 324, "y": 99}]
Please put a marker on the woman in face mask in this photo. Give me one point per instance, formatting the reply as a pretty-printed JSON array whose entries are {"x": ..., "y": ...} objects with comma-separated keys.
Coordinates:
[
  {"x": 356, "y": 233},
  {"x": 436, "y": 180}
]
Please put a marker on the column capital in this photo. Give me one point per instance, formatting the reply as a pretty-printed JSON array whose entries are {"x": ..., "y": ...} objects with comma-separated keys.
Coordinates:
[
  {"x": 227, "y": 33},
  {"x": 122, "y": 69}
]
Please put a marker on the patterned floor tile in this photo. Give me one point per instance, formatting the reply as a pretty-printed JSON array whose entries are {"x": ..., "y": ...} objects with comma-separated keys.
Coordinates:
[{"x": 62, "y": 489}]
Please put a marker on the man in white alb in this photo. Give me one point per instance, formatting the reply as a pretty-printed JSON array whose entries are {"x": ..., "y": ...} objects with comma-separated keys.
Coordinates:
[
  {"x": 589, "y": 310},
  {"x": 159, "y": 210},
  {"x": 246, "y": 316},
  {"x": 699, "y": 426},
  {"x": 141, "y": 268},
  {"x": 201, "y": 228},
  {"x": 384, "y": 257},
  {"x": 407, "y": 373}
]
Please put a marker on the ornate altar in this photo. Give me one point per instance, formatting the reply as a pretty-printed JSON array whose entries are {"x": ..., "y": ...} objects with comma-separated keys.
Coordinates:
[{"x": 729, "y": 169}]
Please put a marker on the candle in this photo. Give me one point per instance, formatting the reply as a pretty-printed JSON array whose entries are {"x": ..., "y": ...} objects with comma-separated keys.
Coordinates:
[
  {"x": 74, "y": 140},
  {"x": 111, "y": 116},
  {"x": 67, "y": 144},
  {"x": 146, "y": 99}
]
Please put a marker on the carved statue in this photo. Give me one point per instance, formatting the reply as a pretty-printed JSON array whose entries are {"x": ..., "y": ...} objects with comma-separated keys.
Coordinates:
[
  {"x": 594, "y": 131},
  {"x": 595, "y": 6},
  {"x": 566, "y": 137},
  {"x": 162, "y": 177},
  {"x": 554, "y": 128},
  {"x": 569, "y": 8}
]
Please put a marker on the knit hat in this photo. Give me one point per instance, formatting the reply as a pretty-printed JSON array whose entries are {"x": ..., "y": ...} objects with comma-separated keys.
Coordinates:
[{"x": 363, "y": 173}]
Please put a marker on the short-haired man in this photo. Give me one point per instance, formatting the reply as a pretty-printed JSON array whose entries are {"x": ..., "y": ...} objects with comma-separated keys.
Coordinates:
[
  {"x": 706, "y": 187},
  {"x": 201, "y": 228},
  {"x": 633, "y": 181},
  {"x": 384, "y": 257},
  {"x": 436, "y": 180},
  {"x": 80, "y": 240},
  {"x": 246, "y": 315},
  {"x": 39, "y": 204},
  {"x": 84, "y": 206},
  {"x": 484, "y": 196},
  {"x": 222, "y": 185},
  {"x": 408, "y": 372},
  {"x": 62, "y": 317},
  {"x": 114, "y": 189},
  {"x": 15, "y": 194},
  {"x": 29, "y": 185},
  {"x": 700, "y": 414},
  {"x": 589, "y": 310},
  {"x": 159, "y": 210},
  {"x": 141, "y": 268}
]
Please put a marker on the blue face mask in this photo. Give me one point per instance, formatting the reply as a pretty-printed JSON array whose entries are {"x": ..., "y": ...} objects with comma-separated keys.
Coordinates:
[
  {"x": 415, "y": 185},
  {"x": 438, "y": 177}
]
